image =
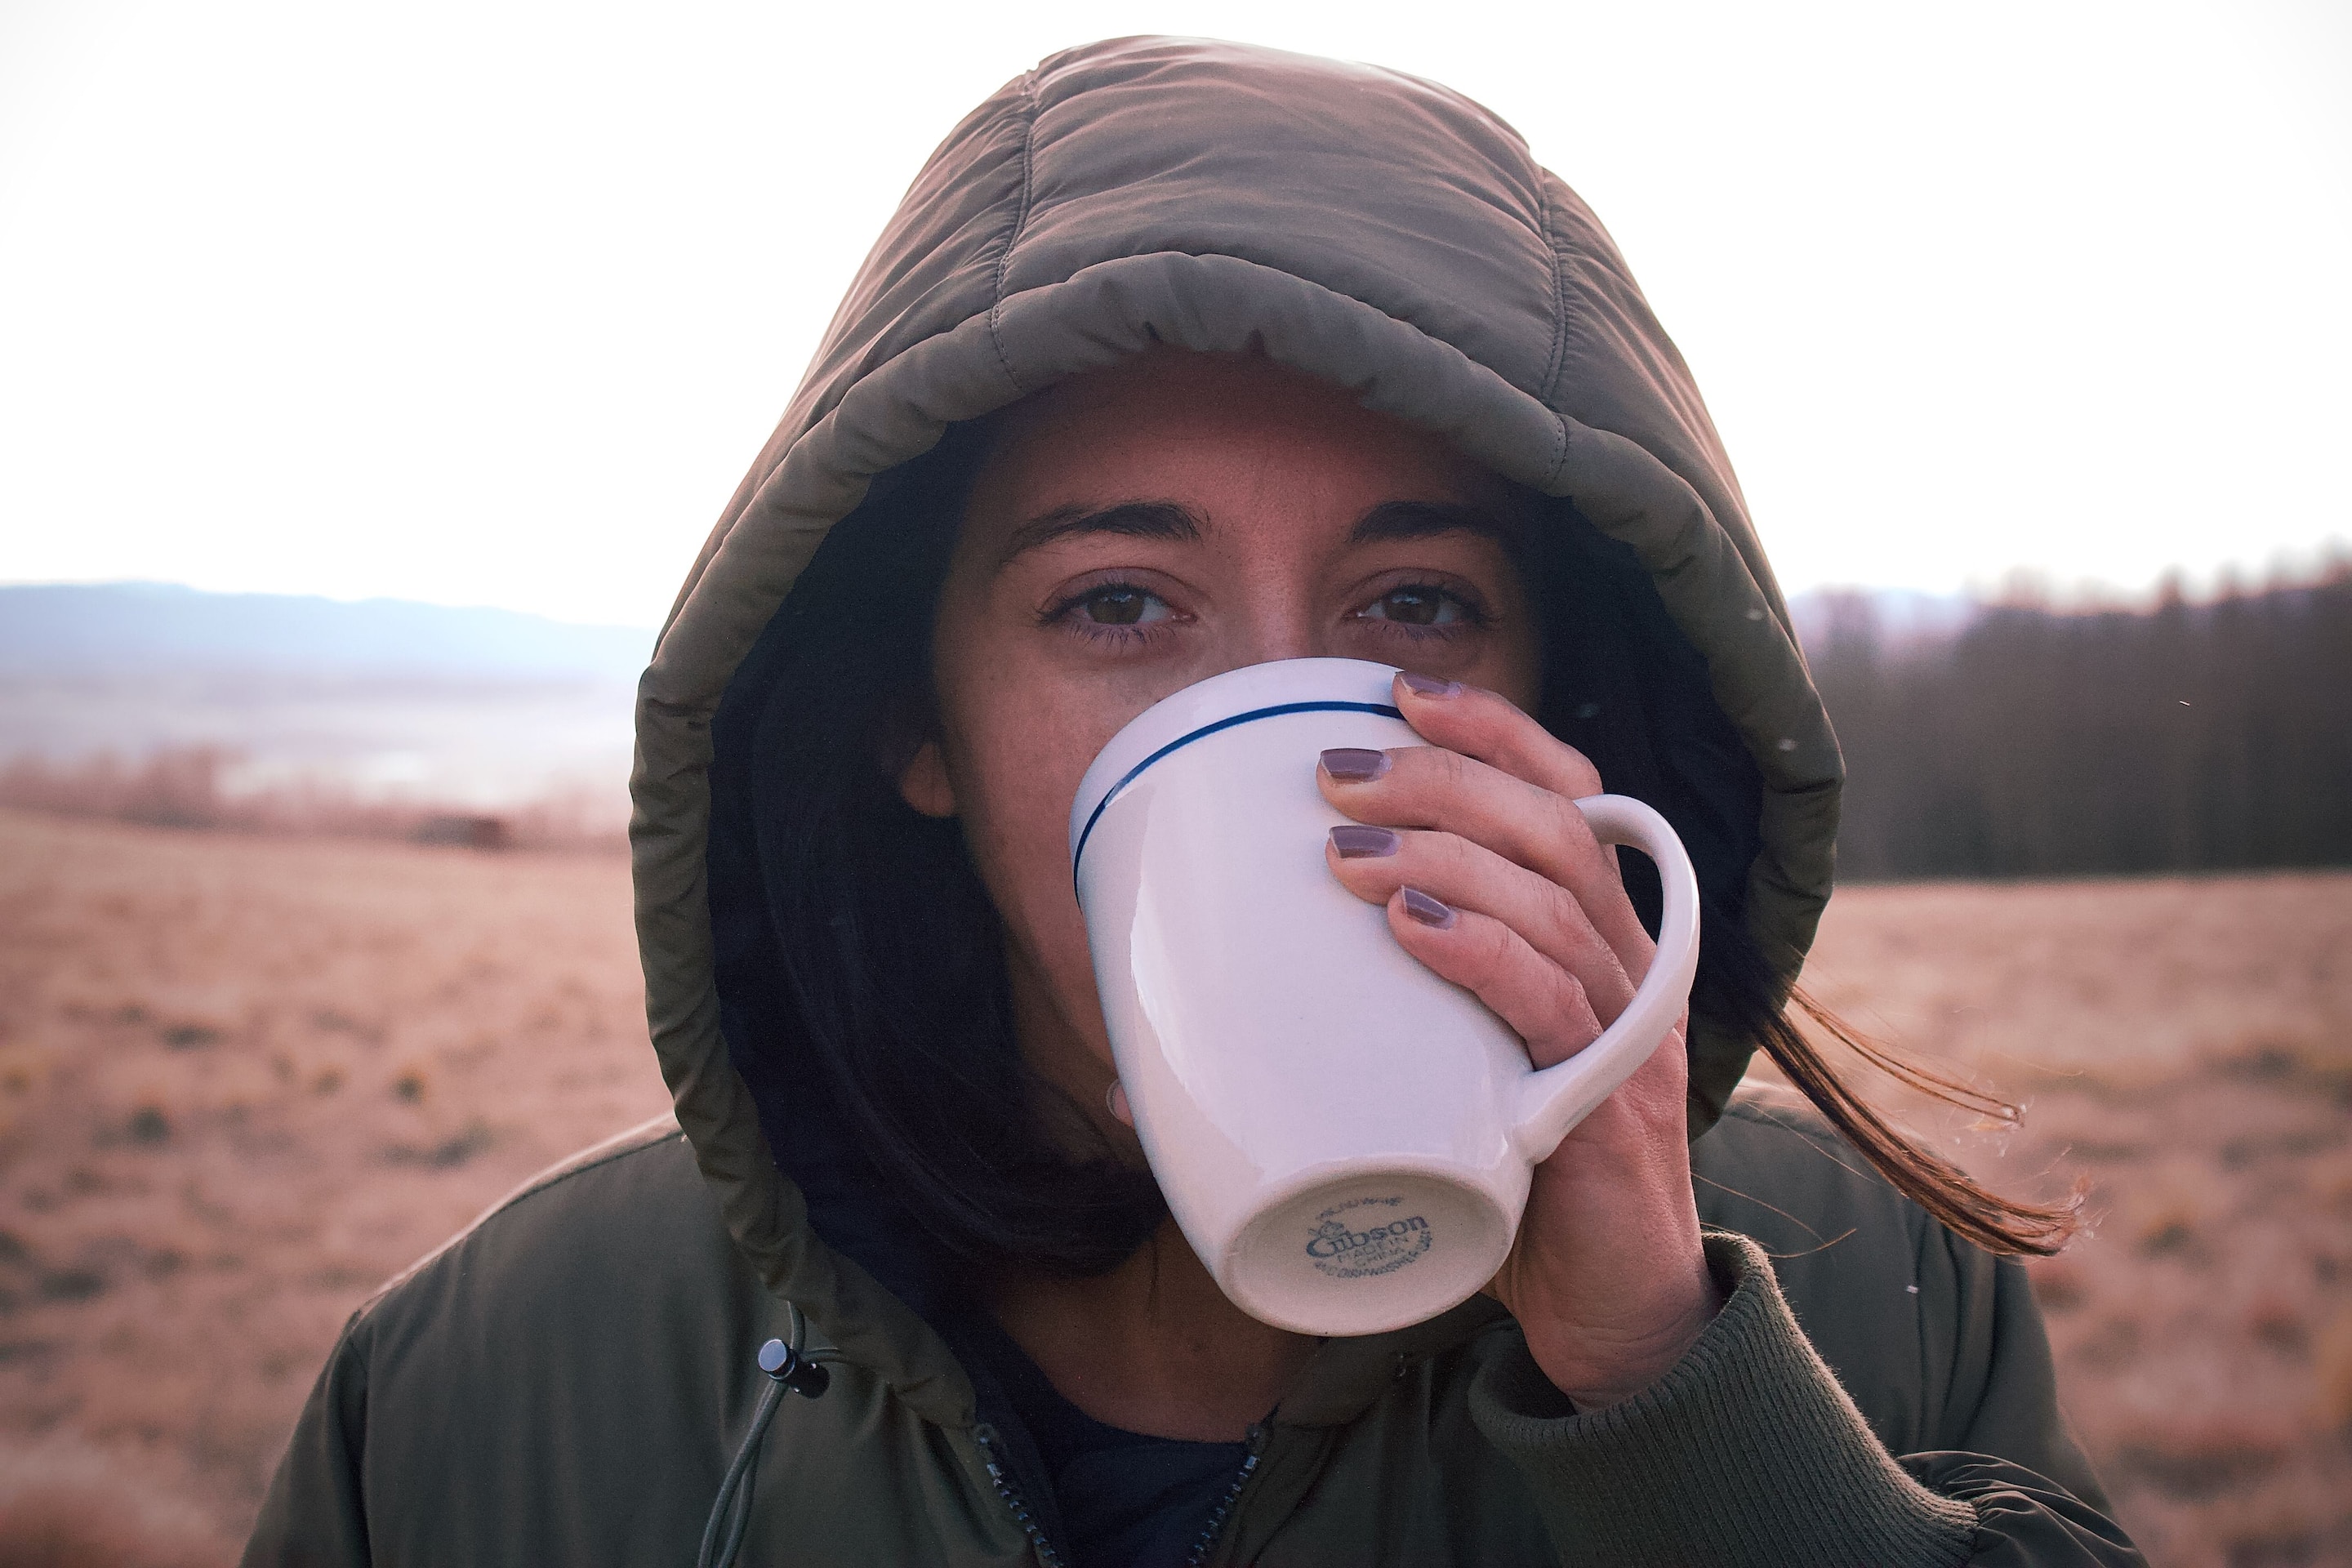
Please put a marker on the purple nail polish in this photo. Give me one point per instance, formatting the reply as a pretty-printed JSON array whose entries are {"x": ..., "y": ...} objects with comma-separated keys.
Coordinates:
[
  {"x": 1429, "y": 686},
  {"x": 1426, "y": 909},
  {"x": 1354, "y": 841},
  {"x": 1353, "y": 764}
]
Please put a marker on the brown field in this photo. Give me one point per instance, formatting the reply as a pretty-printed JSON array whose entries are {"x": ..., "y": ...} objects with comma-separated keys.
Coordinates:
[{"x": 242, "y": 1080}]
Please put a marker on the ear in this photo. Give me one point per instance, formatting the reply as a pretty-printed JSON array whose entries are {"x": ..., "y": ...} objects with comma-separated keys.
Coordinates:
[{"x": 923, "y": 784}]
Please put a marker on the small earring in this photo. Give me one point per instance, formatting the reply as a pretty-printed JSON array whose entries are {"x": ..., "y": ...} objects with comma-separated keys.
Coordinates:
[{"x": 1115, "y": 1101}]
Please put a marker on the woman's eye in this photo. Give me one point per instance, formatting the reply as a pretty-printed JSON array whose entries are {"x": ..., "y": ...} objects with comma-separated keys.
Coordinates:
[
  {"x": 1417, "y": 605},
  {"x": 1120, "y": 604}
]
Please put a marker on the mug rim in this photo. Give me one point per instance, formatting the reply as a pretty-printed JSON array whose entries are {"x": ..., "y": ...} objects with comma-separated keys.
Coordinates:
[{"x": 1207, "y": 708}]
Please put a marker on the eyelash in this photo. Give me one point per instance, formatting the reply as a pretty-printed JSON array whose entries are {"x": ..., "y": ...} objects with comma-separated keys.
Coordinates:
[
  {"x": 1066, "y": 612},
  {"x": 1474, "y": 615}
]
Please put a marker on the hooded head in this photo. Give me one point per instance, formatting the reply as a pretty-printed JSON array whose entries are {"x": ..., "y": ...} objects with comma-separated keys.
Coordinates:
[{"x": 1370, "y": 231}]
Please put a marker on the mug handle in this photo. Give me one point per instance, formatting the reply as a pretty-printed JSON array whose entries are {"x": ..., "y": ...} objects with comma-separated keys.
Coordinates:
[{"x": 1558, "y": 1096}]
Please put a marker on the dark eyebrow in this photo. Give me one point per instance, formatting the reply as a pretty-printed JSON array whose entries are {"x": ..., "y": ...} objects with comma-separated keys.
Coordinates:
[
  {"x": 1394, "y": 520},
  {"x": 1133, "y": 518}
]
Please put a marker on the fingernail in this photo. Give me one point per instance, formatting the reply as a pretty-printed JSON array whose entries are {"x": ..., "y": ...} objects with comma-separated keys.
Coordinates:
[
  {"x": 1429, "y": 686},
  {"x": 1356, "y": 842},
  {"x": 1426, "y": 909},
  {"x": 1353, "y": 764}
]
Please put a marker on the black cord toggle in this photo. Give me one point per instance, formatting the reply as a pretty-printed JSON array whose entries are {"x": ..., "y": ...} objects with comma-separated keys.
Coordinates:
[
  {"x": 794, "y": 1369},
  {"x": 788, "y": 1372}
]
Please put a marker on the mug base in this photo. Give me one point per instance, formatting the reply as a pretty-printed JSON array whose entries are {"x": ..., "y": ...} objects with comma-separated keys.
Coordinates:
[{"x": 1366, "y": 1252}]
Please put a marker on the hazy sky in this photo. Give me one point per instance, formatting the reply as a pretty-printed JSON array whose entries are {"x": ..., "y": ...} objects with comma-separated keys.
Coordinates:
[{"x": 492, "y": 303}]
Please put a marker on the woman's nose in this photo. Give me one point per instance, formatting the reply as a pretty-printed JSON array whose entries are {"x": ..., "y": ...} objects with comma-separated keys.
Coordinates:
[
  {"x": 1290, "y": 645},
  {"x": 1276, "y": 625}
]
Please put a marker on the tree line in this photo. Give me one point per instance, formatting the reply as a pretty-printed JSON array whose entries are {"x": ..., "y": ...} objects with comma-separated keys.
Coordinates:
[{"x": 2033, "y": 740}]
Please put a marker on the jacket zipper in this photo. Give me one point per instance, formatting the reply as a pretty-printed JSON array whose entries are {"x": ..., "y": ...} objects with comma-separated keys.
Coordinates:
[
  {"x": 1026, "y": 1517},
  {"x": 1216, "y": 1525},
  {"x": 1023, "y": 1515}
]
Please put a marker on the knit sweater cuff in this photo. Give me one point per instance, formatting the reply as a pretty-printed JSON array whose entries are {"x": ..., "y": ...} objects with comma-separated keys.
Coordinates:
[{"x": 1747, "y": 1451}]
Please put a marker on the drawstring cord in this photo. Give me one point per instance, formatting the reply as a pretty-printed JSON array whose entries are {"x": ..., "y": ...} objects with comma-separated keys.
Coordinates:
[{"x": 789, "y": 1371}]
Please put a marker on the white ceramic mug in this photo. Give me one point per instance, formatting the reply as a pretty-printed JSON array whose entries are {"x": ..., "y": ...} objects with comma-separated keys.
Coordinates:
[{"x": 1346, "y": 1138}]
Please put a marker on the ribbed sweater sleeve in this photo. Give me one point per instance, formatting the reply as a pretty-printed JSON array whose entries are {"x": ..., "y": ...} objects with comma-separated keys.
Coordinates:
[{"x": 1746, "y": 1452}]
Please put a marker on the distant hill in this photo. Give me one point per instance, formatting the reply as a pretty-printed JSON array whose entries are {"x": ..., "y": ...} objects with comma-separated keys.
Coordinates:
[
  {"x": 381, "y": 700},
  {"x": 111, "y": 628}
]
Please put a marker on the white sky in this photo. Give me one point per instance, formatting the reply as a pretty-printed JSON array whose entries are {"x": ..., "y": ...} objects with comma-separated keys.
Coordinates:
[{"x": 487, "y": 303}]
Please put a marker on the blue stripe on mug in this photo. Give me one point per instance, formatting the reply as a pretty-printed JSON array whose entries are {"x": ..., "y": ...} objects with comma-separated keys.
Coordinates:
[{"x": 1384, "y": 710}]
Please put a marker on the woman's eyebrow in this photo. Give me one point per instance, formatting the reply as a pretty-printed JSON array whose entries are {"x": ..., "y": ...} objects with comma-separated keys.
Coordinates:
[
  {"x": 1394, "y": 520},
  {"x": 1132, "y": 519}
]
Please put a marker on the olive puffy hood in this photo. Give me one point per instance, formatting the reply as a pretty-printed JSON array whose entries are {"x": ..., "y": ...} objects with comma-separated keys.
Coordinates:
[{"x": 1371, "y": 229}]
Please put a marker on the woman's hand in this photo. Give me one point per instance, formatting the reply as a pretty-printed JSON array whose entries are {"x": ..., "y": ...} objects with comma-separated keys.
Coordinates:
[{"x": 1492, "y": 878}]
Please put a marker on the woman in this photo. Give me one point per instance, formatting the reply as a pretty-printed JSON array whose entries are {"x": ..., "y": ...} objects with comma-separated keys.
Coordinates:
[{"x": 1181, "y": 357}]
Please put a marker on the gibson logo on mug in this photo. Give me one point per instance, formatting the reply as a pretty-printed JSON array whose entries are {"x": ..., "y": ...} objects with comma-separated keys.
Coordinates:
[
  {"x": 1346, "y": 1138},
  {"x": 1383, "y": 1248}
]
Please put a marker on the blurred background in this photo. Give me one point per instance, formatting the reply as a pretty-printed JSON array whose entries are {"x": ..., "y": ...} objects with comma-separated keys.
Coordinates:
[{"x": 369, "y": 376}]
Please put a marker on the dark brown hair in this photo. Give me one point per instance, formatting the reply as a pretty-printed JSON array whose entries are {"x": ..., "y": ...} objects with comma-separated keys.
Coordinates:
[{"x": 2005, "y": 1227}]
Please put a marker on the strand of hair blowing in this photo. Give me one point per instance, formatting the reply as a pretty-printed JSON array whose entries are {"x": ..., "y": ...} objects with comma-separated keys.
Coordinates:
[{"x": 1737, "y": 994}]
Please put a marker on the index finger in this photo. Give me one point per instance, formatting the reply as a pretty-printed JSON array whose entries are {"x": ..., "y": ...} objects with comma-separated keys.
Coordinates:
[{"x": 1489, "y": 727}]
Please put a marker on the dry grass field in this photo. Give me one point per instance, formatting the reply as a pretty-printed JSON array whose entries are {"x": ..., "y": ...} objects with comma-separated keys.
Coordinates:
[
  {"x": 243, "y": 1079},
  {"x": 2183, "y": 1047}
]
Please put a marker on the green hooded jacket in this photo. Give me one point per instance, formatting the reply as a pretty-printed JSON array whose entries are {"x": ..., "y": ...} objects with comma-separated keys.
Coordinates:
[{"x": 567, "y": 1381}]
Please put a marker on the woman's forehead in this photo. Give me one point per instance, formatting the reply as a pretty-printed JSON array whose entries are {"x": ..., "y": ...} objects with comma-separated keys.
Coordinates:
[{"x": 1172, "y": 425}]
